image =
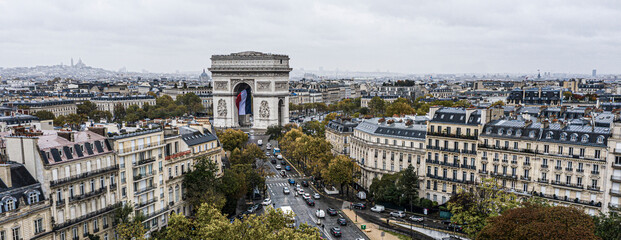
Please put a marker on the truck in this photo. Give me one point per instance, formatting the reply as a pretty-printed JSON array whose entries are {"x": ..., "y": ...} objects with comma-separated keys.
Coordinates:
[
  {"x": 377, "y": 208},
  {"x": 288, "y": 210}
]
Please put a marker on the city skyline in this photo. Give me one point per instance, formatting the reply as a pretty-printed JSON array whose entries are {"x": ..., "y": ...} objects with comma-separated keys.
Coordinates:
[{"x": 426, "y": 37}]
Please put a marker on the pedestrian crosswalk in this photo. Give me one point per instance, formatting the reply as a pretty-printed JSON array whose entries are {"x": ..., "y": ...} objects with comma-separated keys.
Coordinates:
[
  {"x": 285, "y": 177},
  {"x": 282, "y": 184}
]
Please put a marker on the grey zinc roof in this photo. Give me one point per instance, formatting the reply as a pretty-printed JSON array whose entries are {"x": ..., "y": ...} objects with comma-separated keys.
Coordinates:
[
  {"x": 398, "y": 130},
  {"x": 195, "y": 139}
]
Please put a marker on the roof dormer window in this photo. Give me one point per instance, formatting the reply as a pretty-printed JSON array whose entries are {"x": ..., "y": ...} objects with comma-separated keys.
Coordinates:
[
  {"x": 563, "y": 136},
  {"x": 600, "y": 139},
  {"x": 585, "y": 138},
  {"x": 574, "y": 137},
  {"x": 549, "y": 135}
]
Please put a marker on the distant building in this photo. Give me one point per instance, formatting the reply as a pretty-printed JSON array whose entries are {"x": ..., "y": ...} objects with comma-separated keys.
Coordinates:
[
  {"x": 107, "y": 103},
  {"x": 535, "y": 96},
  {"x": 339, "y": 133},
  {"x": 57, "y": 107}
]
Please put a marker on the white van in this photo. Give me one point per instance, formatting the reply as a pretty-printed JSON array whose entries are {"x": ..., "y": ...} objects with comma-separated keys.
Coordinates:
[
  {"x": 378, "y": 208},
  {"x": 260, "y": 142},
  {"x": 320, "y": 213}
]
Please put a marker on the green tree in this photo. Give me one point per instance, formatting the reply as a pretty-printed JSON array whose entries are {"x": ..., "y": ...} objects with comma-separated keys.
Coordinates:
[
  {"x": 329, "y": 117},
  {"x": 537, "y": 222},
  {"x": 98, "y": 115},
  {"x": 475, "y": 208},
  {"x": 377, "y": 105},
  {"x": 567, "y": 95},
  {"x": 340, "y": 171},
  {"x": 608, "y": 227},
  {"x": 408, "y": 185},
  {"x": 128, "y": 227},
  {"x": 209, "y": 223},
  {"x": 399, "y": 108},
  {"x": 44, "y": 115},
  {"x": 275, "y": 132},
  {"x": 87, "y": 108},
  {"x": 201, "y": 184},
  {"x": 314, "y": 128},
  {"x": 384, "y": 189},
  {"x": 498, "y": 103},
  {"x": 192, "y": 102},
  {"x": 232, "y": 138},
  {"x": 119, "y": 112}
]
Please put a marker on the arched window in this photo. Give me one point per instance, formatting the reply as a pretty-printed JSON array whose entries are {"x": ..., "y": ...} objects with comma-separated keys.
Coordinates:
[
  {"x": 549, "y": 135},
  {"x": 489, "y": 130},
  {"x": 33, "y": 196},
  {"x": 518, "y": 133},
  {"x": 574, "y": 137},
  {"x": 585, "y": 138},
  {"x": 509, "y": 132},
  {"x": 177, "y": 193},
  {"x": 170, "y": 195},
  {"x": 531, "y": 134},
  {"x": 563, "y": 136},
  {"x": 9, "y": 203},
  {"x": 501, "y": 131},
  {"x": 600, "y": 139}
]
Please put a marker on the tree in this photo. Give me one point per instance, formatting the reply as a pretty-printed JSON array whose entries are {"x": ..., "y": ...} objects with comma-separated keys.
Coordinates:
[
  {"x": 128, "y": 227},
  {"x": 408, "y": 185},
  {"x": 487, "y": 200},
  {"x": 567, "y": 95},
  {"x": 329, "y": 117},
  {"x": 98, "y": 115},
  {"x": 201, "y": 184},
  {"x": 232, "y": 138},
  {"x": 608, "y": 227},
  {"x": 537, "y": 222},
  {"x": 275, "y": 132},
  {"x": 252, "y": 152},
  {"x": 44, "y": 115},
  {"x": 73, "y": 120},
  {"x": 399, "y": 108},
  {"x": 340, "y": 171},
  {"x": 377, "y": 105},
  {"x": 384, "y": 189},
  {"x": 314, "y": 128},
  {"x": 119, "y": 112},
  {"x": 192, "y": 102},
  {"x": 87, "y": 108},
  {"x": 498, "y": 103},
  {"x": 209, "y": 223}
]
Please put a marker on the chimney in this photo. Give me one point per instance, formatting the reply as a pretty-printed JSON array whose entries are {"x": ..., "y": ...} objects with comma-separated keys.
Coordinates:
[
  {"x": 66, "y": 135},
  {"x": 99, "y": 130},
  {"x": 5, "y": 174},
  {"x": 545, "y": 124}
]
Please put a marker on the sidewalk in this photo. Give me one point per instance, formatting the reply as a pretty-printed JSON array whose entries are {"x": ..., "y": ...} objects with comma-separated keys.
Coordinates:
[{"x": 372, "y": 231}]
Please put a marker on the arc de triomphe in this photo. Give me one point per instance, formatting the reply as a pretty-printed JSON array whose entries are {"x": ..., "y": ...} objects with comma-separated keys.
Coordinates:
[{"x": 264, "y": 77}]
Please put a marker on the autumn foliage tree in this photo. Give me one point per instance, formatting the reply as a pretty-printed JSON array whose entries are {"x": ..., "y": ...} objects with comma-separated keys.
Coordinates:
[
  {"x": 540, "y": 222},
  {"x": 232, "y": 138}
]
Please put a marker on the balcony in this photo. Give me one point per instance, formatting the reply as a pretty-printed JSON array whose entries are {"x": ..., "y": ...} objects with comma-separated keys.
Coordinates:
[
  {"x": 505, "y": 148},
  {"x": 526, "y": 163},
  {"x": 448, "y": 179},
  {"x": 569, "y": 169},
  {"x": 616, "y": 179},
  {"x": 615, "y": 193},
  {"x": 544, "y": 166},
  {"x": 546, "y": 181},
  {"x": 614, "y": 207},
  {"x": 567, "y": 199},
  {"x": 153, "y": 214},
  {"x": 559, "y": 183},
  {"x": 469, "y": 152},
  {"x": 558, "y": 168},
  {"x": 525, "y": 178},
  {"x": 504, "y": 176},
  {"x": 83, "y": 175},
  {"x": 148, "y": 202},
  {"x": 466, "y": 166},
  {"x": 485, "y": 172},
  {"x": 513, "y": 162},
  {"x": 144, "y": 190},
  {"x": 437, "y": 134},
  {"x": 140, "y": 147},
  {"x": 85, "y": 217},
  {"x": 505, "y": 161},
  {"x": 616, "y": 166},
  {"x": 594, "y": 172},
  {"x": 144, "y": 161},
  {"x": 596, "y": 188},
  {"x": 580, "y": 170},
  {"x": 90, "y": 194},
  {"x": 496, "y": 160},
  {"x": 145, "y": 175}
]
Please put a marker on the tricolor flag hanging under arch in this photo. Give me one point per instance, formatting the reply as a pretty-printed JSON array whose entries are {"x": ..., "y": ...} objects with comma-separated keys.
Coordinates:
[{"x": 244, "y": 102}]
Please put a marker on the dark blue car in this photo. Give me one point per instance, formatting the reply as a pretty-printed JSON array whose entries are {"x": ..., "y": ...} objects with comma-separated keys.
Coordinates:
[
  {"x": 291, "y": 181},
  {"x": 287, "y": 168}
]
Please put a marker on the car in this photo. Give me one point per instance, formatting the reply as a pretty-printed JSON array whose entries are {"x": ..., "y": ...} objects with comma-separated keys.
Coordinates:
[
  {"x": 397, "y": 214},
  {"x": 279, "y": 157},
  {"x": 252, "y": 208},
  {"x": 310, "y": 202},
  {"x": 455, "y": 227},
  {"x": 416, "y": 219},
  {"x": 273, "y": 161},
  {"x": 332, "y": 211},
  {"x": 260, "y": 142},
  {"x": 316, "y": 196},
  {"x": 305, "y": 183},
  {"x": 288, "y": 168},
  {"x": 335, "y": 231},
  {"x": 283, "y": 162},
  {"x": 360, "y": 206},
  {"x": 267, "y": 154},
  {"x": 278, "y": 167},
  {"x": 285, "y": 190},
  {"x": 283, "y": 173},
  {"x": 320, "y": 213},
  {"x": 300, "y": 191},
  {"x": 298, "y": 187},
  {"x": 377, "y": 208},
  {"x": 341, "y": 221},
  {"x": 266, "y": 202},
  {"x": 291, "y": 181},
  {"x": 306, "y": 196}
]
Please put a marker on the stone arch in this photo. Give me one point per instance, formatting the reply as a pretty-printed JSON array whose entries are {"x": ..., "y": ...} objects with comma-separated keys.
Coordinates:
[{"x": 242, "y": 120}]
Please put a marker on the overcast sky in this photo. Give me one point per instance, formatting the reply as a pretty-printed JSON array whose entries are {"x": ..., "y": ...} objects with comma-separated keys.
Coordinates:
[{"x": 407, "y": 36}]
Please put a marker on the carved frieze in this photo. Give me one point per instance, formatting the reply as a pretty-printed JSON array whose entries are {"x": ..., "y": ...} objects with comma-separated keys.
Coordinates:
[
  {"x": 263, "y": 86},
  {"x": 282, "y": 86},
  {"x": 222, "y": 108},
  {"x": 264, "y": 109},
  {"x": 220, "y": 85}
]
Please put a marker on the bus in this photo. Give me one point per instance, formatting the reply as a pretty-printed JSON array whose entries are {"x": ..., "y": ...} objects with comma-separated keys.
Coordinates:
[
  {"x": 276, "y": 151},
  {"x": 289, "y": 210}
]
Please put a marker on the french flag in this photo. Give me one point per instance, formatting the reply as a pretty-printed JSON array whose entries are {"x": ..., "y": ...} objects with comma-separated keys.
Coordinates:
[{"x": 244, "y": 102}]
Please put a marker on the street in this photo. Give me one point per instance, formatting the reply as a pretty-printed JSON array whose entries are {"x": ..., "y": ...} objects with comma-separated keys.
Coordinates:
[{"x": 304, "y": 213}]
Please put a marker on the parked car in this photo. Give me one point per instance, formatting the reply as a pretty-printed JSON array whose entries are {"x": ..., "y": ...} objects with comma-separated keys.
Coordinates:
[
  {"x": 336, "y": 231},
  {"x": 316, "y": 196},
  {"x": 306, "y": 196},
  {"x": 278, "y": 167},
  {"x": 341, "y": 221},
  {"x": 252, "y": 208},
  {"x": 360, "y": 206},
  {"x": 397, "y": 214},
  {"x": 416, "y": 219},
  {"x": 305, "y": 183},
  {"x": 260, "y": 142},
  {"x": 377, "y": 208},
  {"x": 332, "y": 211},
  {"x": 266, "y": 202},
  {"x": 273, "y": 161},
  {"x": 291, "y": 181},
  {"x": 285, "y": 190},
  {"x": 320, "y": 213},
  {"x": 288, "y": 168},
  {"x": 310, "y": 202}
]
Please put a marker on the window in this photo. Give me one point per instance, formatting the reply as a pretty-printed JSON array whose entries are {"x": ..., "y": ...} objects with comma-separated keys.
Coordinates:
[
  {"x": 597, "y": 154},
  {"x": 546, "y": 149},
  {"x": 571, "y": 151},
  {"x": 38, "y": 226},
  {"x": 531, "y": 134},
  {"x": 549, "y": 135},
  {"x": 574, "y": 137},
  {"x": 515, "y": 145},
  {"x": 560, "y": 150},
  {"x": 594, "y": 183},
  {"x": 16, "y": 233},
  {"x": 33, "y": 197},
  {"x": 585, "y": 138},
  {"x": 581, "y": 152},
  {"x": 9, "y": 204},
  {"x": 600, "y": 139}
]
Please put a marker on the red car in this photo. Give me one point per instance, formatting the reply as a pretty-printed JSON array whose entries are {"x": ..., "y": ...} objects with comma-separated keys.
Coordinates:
[{"x": 310, "y": 202}]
